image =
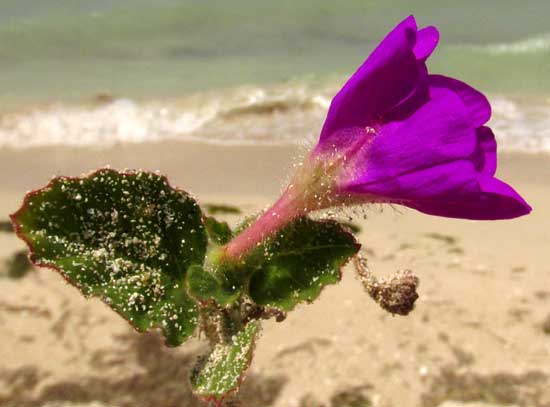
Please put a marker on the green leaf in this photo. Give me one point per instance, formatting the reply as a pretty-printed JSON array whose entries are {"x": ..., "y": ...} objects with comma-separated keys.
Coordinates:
[
  {"x": 220, "y": 373},
  {"x": 127, "y": 238},
  {"x": 205, "y": 287},
  {"x": 299, "y": 262},
  {"x": 216, "y": 209},
  {"x": 219, "y": 232},
  {"x": 217, "y": 281},
  {"x": 355, "y": 228}
]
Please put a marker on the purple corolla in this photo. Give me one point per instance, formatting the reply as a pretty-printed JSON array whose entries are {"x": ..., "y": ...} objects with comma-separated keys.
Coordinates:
[{"x": 397, "y": 134}]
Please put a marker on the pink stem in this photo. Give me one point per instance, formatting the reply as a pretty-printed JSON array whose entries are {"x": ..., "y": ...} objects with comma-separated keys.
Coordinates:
[{"x": 286, "y": 209}]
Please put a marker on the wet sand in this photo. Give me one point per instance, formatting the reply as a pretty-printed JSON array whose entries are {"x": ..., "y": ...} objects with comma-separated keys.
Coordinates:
[{"x": 477, "y": 333}]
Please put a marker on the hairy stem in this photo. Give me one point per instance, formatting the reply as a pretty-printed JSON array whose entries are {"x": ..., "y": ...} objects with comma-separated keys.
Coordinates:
[{"x": 285, "y": 210}]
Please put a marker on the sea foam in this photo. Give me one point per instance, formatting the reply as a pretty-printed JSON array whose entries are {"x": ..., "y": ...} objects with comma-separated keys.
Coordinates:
[{"x": 283, "y": 115}]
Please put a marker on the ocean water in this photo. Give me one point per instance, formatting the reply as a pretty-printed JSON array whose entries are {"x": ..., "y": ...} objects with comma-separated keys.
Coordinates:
[{"x": 247, "y": 71}]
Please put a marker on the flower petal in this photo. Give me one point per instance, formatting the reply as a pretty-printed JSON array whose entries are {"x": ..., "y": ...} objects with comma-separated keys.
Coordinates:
[
  {"x": 453, "y": 190},
  {"x": 490, "y": 199},
  {"x": 389, "y": 75},
  {"x": 479, "y": 108},
  {"x": 435, "y": 160},
  {"x": 439, "y": 131},
  {"x": 426, "y": 41},
  {"x": 485, "y": 156}
]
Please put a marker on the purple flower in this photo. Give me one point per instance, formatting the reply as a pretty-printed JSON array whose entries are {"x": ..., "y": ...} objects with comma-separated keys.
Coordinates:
[
  {"x": 416, "y": 139},
  {"x": 397, "y": 134}
]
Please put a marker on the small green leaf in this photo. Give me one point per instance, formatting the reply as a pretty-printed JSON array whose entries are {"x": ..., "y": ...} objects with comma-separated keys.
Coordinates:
[
  {"x": 220, "y": 373},
  {"x": 216, "y": 209},
  {"x": 205, "y": 287},
  {"x": 354, "y": 227},
  {"x": 219, "y": 232},
  {"x": 127, "y": 238},
  {"x": 298, "y": 262}
]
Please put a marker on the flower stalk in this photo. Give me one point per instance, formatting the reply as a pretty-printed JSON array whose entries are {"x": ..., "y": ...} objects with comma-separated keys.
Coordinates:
[
  {"x": 287, "y": 208},
  {"x": 312, "y": 188}
]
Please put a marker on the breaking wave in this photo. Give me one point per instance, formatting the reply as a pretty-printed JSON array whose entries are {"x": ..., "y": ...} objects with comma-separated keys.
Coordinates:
[
  {"x": 289, "y": 114},
  {"x": 537, "y": 44}
]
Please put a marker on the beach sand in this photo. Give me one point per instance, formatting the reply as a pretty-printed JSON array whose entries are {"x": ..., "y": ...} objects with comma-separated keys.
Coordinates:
[{"x": 477, "y": 332}]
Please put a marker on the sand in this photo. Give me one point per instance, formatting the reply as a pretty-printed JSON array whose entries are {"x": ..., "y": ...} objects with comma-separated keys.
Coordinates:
[{"x": 476, "y": 335}]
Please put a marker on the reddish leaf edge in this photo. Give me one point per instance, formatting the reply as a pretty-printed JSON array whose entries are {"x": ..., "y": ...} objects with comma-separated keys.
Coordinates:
[{"x": 126, "y": 172}]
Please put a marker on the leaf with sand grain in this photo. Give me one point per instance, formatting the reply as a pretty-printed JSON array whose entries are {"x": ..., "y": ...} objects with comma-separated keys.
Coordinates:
[
  {"x": 219, "y": 232},
  {"x": 298, "y": 262},
  {"x": 219, "y": 374},
  {"x": 205, "y": 287},
  {"x": 127, "y": 238}
]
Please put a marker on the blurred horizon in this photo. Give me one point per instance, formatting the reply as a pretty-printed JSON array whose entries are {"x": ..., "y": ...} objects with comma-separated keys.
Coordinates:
[{"x": 70, "y": 50}]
